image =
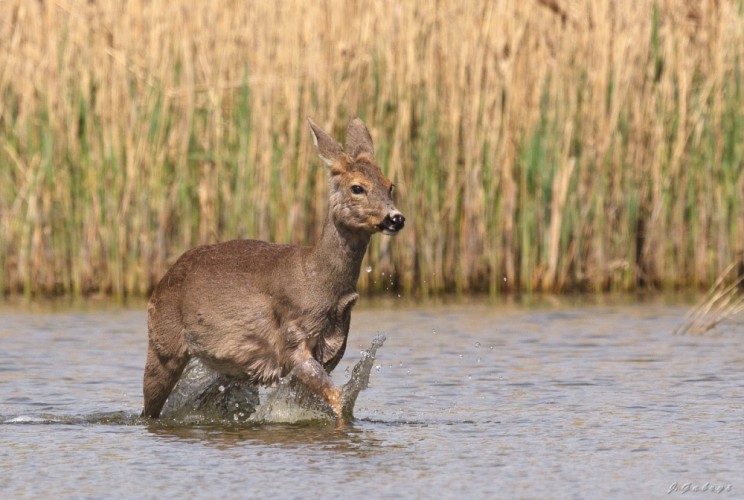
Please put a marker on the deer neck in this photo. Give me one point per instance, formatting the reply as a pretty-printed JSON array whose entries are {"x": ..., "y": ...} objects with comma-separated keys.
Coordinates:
[{"x": 336, "y": 258}]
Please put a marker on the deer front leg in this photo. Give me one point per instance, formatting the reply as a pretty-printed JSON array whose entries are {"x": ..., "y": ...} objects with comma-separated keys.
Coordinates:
[{"x": 311, "y": 373}]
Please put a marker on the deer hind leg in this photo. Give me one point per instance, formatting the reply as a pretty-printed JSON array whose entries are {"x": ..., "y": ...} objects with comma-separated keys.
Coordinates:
[
  {"x": 167, "y": 356},
  {"x": 161, "y": 376}
]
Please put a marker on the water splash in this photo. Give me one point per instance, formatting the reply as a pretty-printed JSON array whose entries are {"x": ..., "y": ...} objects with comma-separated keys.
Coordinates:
[
  {"x": 292, "y": 402},
  {"x": 104, "y": 418},
  {"x": 203, "y": 395}
]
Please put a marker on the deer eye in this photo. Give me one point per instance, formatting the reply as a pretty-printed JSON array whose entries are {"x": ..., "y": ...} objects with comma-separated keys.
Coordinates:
[{"x": 357, "y": 189}]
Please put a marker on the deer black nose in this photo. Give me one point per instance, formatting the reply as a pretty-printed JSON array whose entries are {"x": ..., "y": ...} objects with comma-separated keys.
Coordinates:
[
  {"x": 391, "y": 224},
  {"x": 398, "y": 221}
]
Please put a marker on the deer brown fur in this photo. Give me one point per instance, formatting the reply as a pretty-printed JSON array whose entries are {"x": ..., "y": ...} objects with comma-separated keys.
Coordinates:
[{"x": 259, "y": 310}]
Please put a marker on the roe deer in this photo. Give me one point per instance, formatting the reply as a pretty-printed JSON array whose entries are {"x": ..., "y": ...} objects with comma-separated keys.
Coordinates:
[{"x": 259, "y": 310}]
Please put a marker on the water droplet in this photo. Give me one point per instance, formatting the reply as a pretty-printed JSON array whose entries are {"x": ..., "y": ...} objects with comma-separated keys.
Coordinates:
[
  {"x": 470, "y": 377},
  {"x": 504, "y": 279},
  {"x": 477, "y": 345},
  {"x": 491, "y": 348},
  {"x": 460, "y": 356},
  {"x": 433, "y": 332},
  {"x": 221, "y": 388},
  {"x": 377, "y": 368},
  {"x": 369, "y": 269}
]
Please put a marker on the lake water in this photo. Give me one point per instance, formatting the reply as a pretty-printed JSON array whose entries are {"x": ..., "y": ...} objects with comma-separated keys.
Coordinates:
[{"x": 556, "y": 399}]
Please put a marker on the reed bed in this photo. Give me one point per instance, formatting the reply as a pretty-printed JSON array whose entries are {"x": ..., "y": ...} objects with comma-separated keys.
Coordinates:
[{"x": 538, "y": 145}]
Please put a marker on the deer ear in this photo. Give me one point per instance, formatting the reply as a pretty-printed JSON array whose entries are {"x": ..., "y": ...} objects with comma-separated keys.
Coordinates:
[
  {"x": 328, "y": 149},
  {"x": 358, "y": 140}
]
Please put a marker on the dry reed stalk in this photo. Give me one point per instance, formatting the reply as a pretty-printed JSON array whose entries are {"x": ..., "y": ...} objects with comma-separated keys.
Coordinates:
[
  {"x": 536, "y": 145},
  {"x": 724, "y": 300}
]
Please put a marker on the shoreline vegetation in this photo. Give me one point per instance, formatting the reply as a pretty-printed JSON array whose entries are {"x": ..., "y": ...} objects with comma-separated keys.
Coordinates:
[{"x": 543, "y": 145}]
